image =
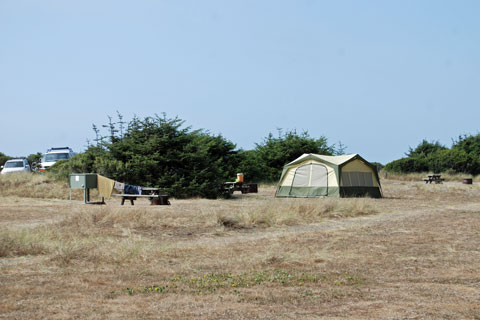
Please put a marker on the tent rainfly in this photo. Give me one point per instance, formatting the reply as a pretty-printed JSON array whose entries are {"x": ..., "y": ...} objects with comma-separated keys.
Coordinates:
[{"x": 314, "y": 175}]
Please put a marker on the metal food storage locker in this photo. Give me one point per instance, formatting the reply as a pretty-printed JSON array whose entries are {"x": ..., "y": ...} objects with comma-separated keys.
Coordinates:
[{"x": 85, "y": 181}]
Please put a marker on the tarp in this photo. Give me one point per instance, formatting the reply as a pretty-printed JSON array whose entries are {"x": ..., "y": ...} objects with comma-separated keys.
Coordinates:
[{"x": 105, "y": 186}]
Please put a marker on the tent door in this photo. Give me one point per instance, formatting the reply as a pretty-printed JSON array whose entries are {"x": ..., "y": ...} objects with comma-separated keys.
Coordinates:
[{"x": 310, "y": 180}]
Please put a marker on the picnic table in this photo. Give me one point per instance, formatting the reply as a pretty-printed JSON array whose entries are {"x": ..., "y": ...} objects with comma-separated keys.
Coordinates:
[
  {"x": 230, "y": 187},
  {"x": 155, "y": 195},
  {"x": 434, "y": 178}
]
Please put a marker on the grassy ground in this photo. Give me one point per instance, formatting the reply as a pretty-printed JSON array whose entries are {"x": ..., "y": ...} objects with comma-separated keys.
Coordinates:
[{"x": 411, "y": 255}]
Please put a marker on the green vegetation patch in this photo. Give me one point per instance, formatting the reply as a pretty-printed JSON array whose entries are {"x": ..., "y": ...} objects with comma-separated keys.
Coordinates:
[
  {"x": 462, "y": 157},
  {"x": 211, "y": 282}
]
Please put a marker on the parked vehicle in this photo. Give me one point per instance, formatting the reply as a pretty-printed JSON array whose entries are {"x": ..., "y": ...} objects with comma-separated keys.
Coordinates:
[
  {"x": 15, "y": 165},
  {"x": 53, "y": 155}
]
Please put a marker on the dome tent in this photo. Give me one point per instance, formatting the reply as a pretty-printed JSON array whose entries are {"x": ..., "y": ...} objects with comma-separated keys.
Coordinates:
[{"x": 314, "y": 175}]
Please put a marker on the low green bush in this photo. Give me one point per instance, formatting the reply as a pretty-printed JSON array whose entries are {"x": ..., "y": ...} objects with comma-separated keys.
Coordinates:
[{"x": 462, "y": 157}]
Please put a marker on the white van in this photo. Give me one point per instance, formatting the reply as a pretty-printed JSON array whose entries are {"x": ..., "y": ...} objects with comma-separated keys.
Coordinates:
[
  {"x": 53, "y": 155},
  {"x": 15, "y": 165}
]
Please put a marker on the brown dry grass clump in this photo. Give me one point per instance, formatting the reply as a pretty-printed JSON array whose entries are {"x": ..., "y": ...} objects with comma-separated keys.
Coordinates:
[
  {"x": 20, "y": 243},
  {"x": 31, "y": 185},
  {"x": 288, "y": 212},
  {"x": 412, "y": 254}
]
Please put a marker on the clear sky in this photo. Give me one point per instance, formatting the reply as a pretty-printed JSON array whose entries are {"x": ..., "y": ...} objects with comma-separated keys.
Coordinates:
[{"x": 379, "y": 76}]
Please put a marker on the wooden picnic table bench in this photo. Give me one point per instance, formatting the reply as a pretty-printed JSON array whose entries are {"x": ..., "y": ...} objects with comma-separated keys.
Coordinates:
[
  {"x": 154, "y": 195},
  {"x": 436, "y": 178},
  {"x": 229, "y": 187}
]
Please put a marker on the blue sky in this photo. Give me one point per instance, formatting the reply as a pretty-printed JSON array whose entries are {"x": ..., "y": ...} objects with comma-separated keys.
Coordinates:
[{"x": 379, "y": 76}]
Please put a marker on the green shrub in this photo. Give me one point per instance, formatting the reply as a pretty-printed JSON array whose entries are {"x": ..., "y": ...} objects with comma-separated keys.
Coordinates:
[
  {"x": 424, "y": 149},
  {"x": 468, "y": 143},
  {"x": 157, "y": 151},
  {"x": 3, "y": 158},
  {"x": 407, "y": 165},
  {"x": 463, "y": 157},
  {"x": 456, "y": 160}
]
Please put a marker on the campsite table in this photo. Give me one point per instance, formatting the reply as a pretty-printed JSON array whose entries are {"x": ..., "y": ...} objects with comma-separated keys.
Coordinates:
[
  {"x": 434, "y": 178},
  {"x": 230, "y": 187},
  {"x": 154, "y": 195}
]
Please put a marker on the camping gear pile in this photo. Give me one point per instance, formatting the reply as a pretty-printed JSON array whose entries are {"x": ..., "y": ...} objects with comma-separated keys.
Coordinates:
[
  {"x": 238, "y": 185},
  {"x": 106, "y": 186}
]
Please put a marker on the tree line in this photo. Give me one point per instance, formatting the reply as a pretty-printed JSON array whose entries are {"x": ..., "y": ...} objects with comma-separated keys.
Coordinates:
[
  {"x": 462, "y": 157},
  {"x": 162, "y": 152}
]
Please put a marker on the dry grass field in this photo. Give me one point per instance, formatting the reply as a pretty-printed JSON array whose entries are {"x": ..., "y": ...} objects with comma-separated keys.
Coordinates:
[{"x": 414, "y": 254}]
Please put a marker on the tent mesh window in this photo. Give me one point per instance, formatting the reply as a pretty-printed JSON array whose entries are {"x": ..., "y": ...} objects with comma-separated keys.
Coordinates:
[
  {"x": 302, "y": 176},
  {"x": 357, "y": 179},
  {"x": 310, "y": 175},
  {"x": 319, "y": 176}
]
